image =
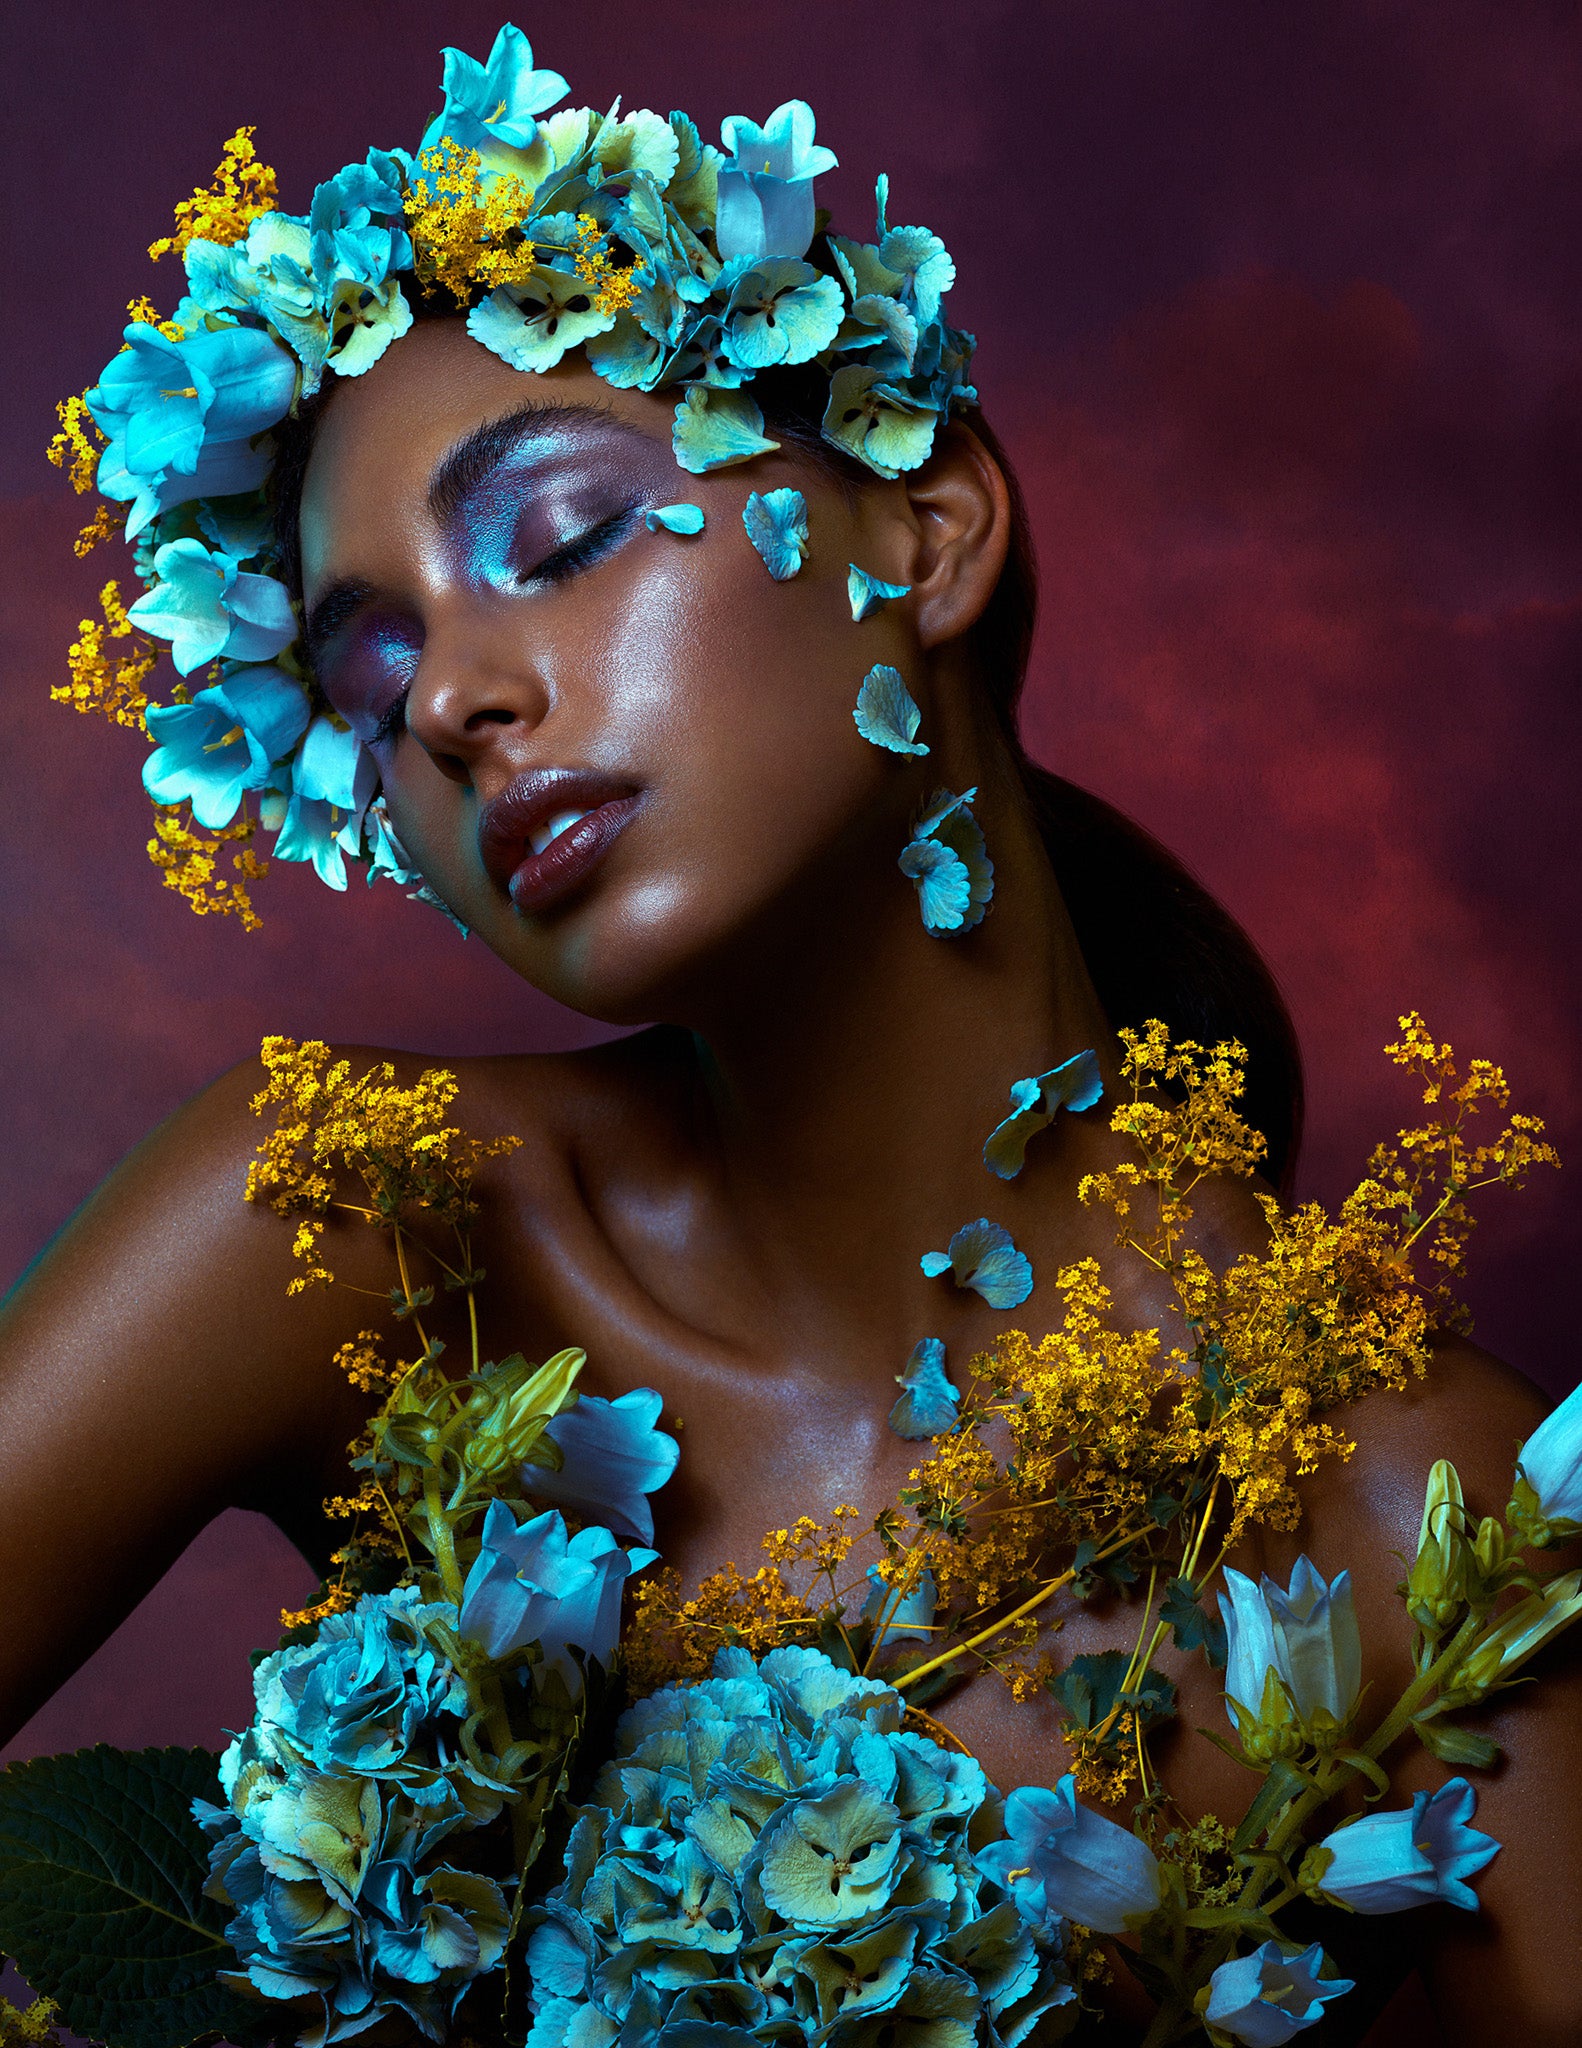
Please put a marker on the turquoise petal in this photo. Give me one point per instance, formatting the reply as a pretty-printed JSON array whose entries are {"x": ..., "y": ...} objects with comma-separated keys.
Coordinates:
[
  {"x": 963, "y": 836},
  {"x": 877, "y": 422},
  {"x": 1075, "y": 1084},
  {"x": 982, "y": 1257},
  {"x": 886, "y": 713},
  {"x": 928, "y": 1402},
  {"x": 675, "y": 518},
  {"x": 944, "y": 887},
  {"x": 776, "y": 523},
  {"x": 713, "y": 429},
  {"x": 867, "y": 592}
]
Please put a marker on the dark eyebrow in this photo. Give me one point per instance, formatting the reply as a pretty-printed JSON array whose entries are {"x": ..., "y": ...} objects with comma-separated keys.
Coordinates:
[
  {"x": 330, "y": 612},
  {"x": 474, "y": 459}
]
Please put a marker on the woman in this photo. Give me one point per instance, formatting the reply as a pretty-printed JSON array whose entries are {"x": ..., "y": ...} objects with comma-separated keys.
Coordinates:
[{"x": 625, "y": 758}]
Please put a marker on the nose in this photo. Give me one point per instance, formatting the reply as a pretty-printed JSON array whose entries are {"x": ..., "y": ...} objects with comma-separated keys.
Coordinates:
[{"x": 477, "y": 696}]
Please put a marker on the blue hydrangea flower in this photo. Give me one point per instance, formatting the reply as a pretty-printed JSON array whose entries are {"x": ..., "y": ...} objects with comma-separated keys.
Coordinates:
[
  {"x": 928, "y": 1402},
  {"x": 909, "y": 1616},
  {"x": 947, "y": 859},
  {"x": 887, "y": 714},
  {"x": 207, "y": 606},
  {"x": 613, "y": 1456},
  {"x": 982, "y": 1257},
  {"x": 225, "y": 741},
  {"x": 765, "y": 192},
  {"x": 776, "y": 523},
  {"x": 780, "y": 311},
  {"x": 1388, "y": 1862},
  {"x": 1307, "y": 1636},
  {"x": 532, "y": 325},
  {"x": 877, "y": 421},
  {"x": 180, "y": 417},
  {"x": 866, "y": 593},
  {"x": 1266, "y": 1998},
  {"x": 532, "y": 1583},
  {"x": 1076, "y": 1084},
  {"x": 1060, "y": 1858},
  {"x": 769, "y": 1856},
  {"x": 674, "y": 518},
  {"x": 714, "y": 428}
]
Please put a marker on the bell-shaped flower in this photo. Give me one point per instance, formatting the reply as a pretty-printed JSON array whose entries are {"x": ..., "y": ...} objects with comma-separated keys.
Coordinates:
[
  {"x": 981, "y": 1256},
  {"x": 776, "y": 523},
  {"x": 1519, "y": 1633},
  {"x": 180, "y": 417},
  {"x": 1387, "y": 1862},
  {"x": 268, "y": 272},
  {"x": 1060, "y": 1858},
  {"x": 897, "y": 1615},
  {"x": 498, "y": 101},
  {"x": 1551, "y": 1467},
  {"x": 866, "y": 593},
  {"x": 1270, "y": 1996},
  {"x": 1307, "y": 1636},
  {"x": 207, "y": 607},
  {"x": 532, "y": 325},
  {"x": 1075, "y": 1084},
  {"x": 780, "y": 311},
  {"x": 949, "y": 863},
  {"x": 887, "y": 715},
  {"x": 880, "y": 424},
  {"x": 318, "y": 818},
  {"x": 714, "y": 429},
  {"x": 225, "y": 741},
  {"x": 534, "y": 1584},
  {"x": 613, "y": 1455},
  {"x": 764, "y": 205},
  {"x": 928, "y": 1402}
]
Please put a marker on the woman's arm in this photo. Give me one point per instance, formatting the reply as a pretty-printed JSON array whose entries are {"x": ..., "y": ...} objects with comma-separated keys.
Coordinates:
[{"x": 153, "y": 1372}]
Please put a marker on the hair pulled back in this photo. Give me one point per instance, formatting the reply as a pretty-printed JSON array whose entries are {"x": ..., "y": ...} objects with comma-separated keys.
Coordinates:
[{"x": 1155, "y": 942}]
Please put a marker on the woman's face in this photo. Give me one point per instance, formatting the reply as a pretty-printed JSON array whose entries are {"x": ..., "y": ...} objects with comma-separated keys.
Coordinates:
[{"x": 619, "y": 755}]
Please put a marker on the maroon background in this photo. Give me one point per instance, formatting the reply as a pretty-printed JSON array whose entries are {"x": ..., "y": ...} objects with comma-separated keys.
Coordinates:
[{"x": 1277, "y": 306}]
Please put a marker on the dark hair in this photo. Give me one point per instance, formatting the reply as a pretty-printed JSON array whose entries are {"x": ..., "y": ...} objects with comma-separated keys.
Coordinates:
[{"x": 1155, "y": 942}]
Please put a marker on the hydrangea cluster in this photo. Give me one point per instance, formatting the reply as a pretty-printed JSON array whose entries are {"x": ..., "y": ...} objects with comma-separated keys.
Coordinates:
[
  {"x": 673, "y": 265},
  {"x": 770, "y": 1853}
]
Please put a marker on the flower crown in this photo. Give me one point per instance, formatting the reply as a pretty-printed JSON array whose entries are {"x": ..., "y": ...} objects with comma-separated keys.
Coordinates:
[{"x": 671, "y": 264}]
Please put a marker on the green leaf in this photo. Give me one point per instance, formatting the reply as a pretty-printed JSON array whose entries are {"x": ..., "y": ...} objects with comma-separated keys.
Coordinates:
[
  {"x": 1089, "y": 1689},
  {"x": 102, "y": 1870},
  {"x": 1194, "y": 1627},
  {"x": 1283, "y": 1784},
  {"x": 1453, "y": 1745}
]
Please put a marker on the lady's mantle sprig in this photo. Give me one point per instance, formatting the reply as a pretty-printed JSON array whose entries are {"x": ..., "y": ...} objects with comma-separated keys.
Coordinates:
[{"x": 674, "y": 265}]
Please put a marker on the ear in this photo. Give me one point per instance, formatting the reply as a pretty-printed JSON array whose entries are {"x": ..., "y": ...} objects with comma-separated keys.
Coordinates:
[{"x": 962, "y": 511}]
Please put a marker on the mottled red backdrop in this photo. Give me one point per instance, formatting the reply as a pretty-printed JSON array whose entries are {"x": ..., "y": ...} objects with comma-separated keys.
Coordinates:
[{"x": 1278, "y": 307}]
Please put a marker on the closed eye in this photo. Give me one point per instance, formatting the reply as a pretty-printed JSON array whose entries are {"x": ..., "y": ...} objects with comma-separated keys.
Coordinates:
[{"x": 582, "y": 552}]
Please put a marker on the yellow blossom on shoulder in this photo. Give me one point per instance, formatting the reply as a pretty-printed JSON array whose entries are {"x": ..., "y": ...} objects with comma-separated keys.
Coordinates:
[{"x": 241, "y": 189}]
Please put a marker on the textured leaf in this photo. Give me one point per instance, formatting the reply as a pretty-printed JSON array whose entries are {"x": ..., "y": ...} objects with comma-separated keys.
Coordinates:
[
  {"x": 1194, "y": 1628},
  {"x": 102, "y": 1869},
  {"x": 1090, "y": 1690},
  {"x": 1453, "y": 1745}
]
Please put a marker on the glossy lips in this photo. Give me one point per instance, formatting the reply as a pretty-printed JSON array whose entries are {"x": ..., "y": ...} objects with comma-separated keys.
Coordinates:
[{"x": 522, "y": 818}]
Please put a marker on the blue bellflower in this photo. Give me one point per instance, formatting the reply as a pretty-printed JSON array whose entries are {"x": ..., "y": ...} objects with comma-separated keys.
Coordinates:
[
  {"x": 1266, "y": 1998},
  {"x": 207, "y": 606},
  {"x": 498, "y": 101},
  {"x": 981, "y": 1256},
  {"x": 613, "y": 1456},
  {"x": 1060, "y": 1858},
  {"x": 765, "y": 205},
  {"x": 1308, "y": 1637},
  {"x": 928, "y": 1402},
  {"x": 1551, "y": 1464},
  {"x": 225, "y": 741},
  {"x": 534, "y": 1584},
  {"x": 1388, "y": 1862},
  {"x": 180, "y": 417},
  {"x": 1075, "y": 1084}
]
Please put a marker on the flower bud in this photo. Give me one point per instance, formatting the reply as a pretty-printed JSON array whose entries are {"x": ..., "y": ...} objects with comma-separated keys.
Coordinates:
[
  {"x": 1518, "y": 1634},
  {"x": 1435, "y": 1589}
]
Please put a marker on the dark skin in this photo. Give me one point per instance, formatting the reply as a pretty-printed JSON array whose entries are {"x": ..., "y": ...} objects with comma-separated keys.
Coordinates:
[{"x": 729, "y": 1206}]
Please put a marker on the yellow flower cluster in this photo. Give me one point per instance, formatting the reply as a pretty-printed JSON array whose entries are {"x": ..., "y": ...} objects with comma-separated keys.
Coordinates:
[
  {"x": 106, "y": 679},
  {"x": 461, "y": 235},
  {"x": 612, "y": 289},
  {"x": 242, "y": 188},
  {"x": 363, "y": 1362},
  {"x": 78, "y": 443},
  {"x": 672, "y": 1638},
  {"x": 143, "y": 309},
  {"x": 35, "y": 2024},
  {"x": 392, "y": 1138},
  {"x": 187, "y": 855}
]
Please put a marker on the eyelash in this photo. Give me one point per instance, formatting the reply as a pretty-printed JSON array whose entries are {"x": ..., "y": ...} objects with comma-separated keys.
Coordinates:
[{"x": 559, "y": 566}]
